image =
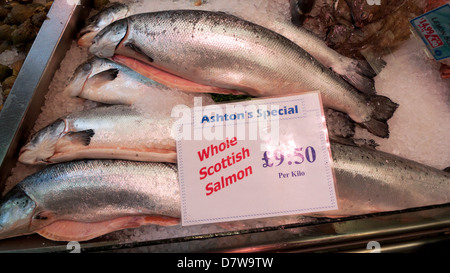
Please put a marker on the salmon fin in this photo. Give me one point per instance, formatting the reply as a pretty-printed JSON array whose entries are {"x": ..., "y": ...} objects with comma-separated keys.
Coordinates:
[
  {"x": 376, "y": 127},
  {"x": 362, "y": 83},
  {"x": 66, "y": 230},
  {"x": 42, "y": 218},
  {"x": 384, "y": 107},
  {"x": 138, "y": 50},
  {"x": 343, "y": 125},
  {"x": 360, "y": 75},
  {"x": 44, "y": 215},
  {"x": 364, "y": 68},
  {"x": 97, "y": 81},
  {"x": 373, "y": 60},
  {"x": 81, "y": 137},
  {"x": 108, "y": 75}
]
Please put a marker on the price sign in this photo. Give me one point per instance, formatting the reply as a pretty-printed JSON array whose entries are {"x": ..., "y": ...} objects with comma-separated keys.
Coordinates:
[
  {"x": 255, "y": 159},
  {"x": 299, "y": 156},
  {"x": 434, "y": 29}
]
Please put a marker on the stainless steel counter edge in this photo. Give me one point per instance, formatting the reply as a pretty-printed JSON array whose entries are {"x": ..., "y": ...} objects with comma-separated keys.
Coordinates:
[
  {"x": 400, "y": 231},
  {"x": 392, "y": 232},
  {"x": 24, "y": 103}
]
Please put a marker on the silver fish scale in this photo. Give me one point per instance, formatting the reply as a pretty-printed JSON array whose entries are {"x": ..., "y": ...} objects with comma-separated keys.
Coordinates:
[
  {"x": 190, "y": 43},
  {"x": 113, "y": 125},
  {"x": 224, "y": 51},
  {"x": 384, "y": 182},
  {"x": 104, "y": 189}
]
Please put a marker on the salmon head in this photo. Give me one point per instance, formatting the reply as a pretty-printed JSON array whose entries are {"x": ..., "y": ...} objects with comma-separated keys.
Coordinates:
[
  {"x": 43, "y": 144},
  {"x": 52, "y": 141},
  {"x": 88, "y": 73},
  {"x": 105, "y": 43},
  {"x": 16, "y": 213},
  {"x": 99, "y": 21},
  {"x": 79, "y": 78}
]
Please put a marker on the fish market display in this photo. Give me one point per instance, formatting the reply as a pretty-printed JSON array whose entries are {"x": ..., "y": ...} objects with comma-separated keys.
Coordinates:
[
  {"x": 219, "y": 53},
  {"x": 118, "y": 132},
  {"x": 104, "y": 81},
  {"x": 103, "y": 169},
  {"x": 81, "y": 200}
]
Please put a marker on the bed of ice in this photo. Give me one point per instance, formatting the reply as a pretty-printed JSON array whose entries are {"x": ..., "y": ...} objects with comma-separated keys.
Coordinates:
[{"x": 419, "y": 129}]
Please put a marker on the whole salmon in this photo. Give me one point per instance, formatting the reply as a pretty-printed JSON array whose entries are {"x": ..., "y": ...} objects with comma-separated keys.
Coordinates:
[
  {"x": 214, "y": 52},
  {"x": 110, "y": 132},
  {"x": 85, "y": 199},
  {"x": 80, "y": 200}
]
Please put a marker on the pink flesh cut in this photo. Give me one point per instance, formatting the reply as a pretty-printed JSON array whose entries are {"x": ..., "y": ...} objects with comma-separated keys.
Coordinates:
[
  {"x": 78, "y": 231},
  {"x": 168, "y": 79}
]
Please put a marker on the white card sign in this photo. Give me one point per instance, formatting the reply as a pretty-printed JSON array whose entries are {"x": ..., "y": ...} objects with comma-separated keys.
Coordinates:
[{"x": 255, "y": 159}]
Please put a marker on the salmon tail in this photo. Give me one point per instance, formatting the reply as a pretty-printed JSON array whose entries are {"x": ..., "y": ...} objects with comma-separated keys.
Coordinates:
[
  {"x": 376, "y": 127},
  {"x": 360, "y": 74},
  {"x": 384, "y": 109},
  {"x": 373, "y": 59}
]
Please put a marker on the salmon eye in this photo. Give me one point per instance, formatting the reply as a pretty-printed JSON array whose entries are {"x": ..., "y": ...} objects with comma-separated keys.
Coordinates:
[{"x": 87, "y": 67}]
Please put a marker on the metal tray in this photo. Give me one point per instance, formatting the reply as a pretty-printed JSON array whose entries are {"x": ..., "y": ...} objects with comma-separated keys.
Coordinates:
[{"x": 402, "y": 231}]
